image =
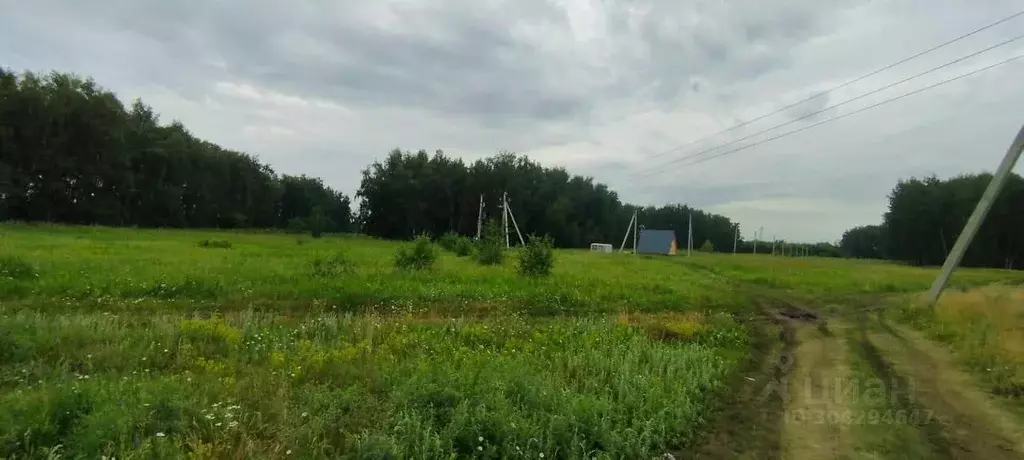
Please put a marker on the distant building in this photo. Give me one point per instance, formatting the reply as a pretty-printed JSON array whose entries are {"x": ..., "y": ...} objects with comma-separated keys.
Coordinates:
[{"x": 657, "y": 242}]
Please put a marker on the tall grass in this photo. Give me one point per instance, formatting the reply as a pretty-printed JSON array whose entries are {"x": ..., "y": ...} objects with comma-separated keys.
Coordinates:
[
  {"x": 983, "y": 326},
  {"x": 352, "y": 385}
]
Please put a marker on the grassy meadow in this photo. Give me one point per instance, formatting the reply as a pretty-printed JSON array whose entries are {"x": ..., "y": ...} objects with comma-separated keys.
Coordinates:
[
  {"x": 983, "y": 326},
  {"x": 133, "y": 343}
]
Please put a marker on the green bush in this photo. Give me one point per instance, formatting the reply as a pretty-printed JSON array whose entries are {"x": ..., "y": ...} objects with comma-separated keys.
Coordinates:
[
  {"x": 490, "y": 249},
  {"x": 420, "y": 255},
  {"x": 461, "y": 245},
  {"x": 328, "y": 266},
  {"x": 537, "y": 258},
  {"x": 214, "y": 244},
  {"x": 14, "y": 267},
  {"x": 707, "y": 246}
]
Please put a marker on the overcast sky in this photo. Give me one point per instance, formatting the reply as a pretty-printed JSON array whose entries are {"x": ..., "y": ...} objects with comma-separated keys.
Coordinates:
[{"x": 602, "y": 87}]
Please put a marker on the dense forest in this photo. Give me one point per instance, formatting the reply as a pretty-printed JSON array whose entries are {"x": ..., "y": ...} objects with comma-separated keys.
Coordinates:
[
  {"x": 926, "y": 216},
  {"x": 71, "y": 152}
]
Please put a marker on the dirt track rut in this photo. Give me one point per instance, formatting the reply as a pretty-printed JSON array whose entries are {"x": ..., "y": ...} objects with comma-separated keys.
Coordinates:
[{"x": 808, "y": 400}]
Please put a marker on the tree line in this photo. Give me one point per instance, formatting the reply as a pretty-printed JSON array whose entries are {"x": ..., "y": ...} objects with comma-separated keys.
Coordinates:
[
  {"x": 408, "y": 193},
  {"x": 71, "y": 152},
  {"x": 925, "y": 217}
]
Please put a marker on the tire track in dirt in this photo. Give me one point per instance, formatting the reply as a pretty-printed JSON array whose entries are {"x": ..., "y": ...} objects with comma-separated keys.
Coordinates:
[
  {"x": 811, "y": 428},
  {"x": 968, "y": 422},
  {"x": 773, "y": 414}
]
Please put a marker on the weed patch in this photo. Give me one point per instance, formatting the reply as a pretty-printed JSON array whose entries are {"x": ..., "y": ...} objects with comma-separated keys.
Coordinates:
[
  {"x": 16, "y": 268},
  {"x": 420, "y": 255},
  {"x": 214, "y": 244},
  {"x": 334, "y": 265}
]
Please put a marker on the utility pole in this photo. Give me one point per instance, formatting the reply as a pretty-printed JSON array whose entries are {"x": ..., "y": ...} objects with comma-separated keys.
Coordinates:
[
  {"x": 977, "y": 217},
  {"x": 757, "y": 237},
  {"x": 504, "y": 216},
  {"x": 689, "y": 236},
  {"x": 512, "y": 216},
  {"x": 626, "y": 236},
  {"x": 480, "y": 217},
  {"x": 773, "y": 244},
  {"x": 735, "y": 237},
  {"x": 636, "y": 233}
]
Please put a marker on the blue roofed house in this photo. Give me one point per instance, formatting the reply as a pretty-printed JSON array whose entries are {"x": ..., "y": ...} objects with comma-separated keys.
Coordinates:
[{"x": 657, "y": 242}]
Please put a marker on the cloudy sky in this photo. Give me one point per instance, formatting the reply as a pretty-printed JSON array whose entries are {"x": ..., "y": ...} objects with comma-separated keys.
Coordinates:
[{"x": 622, "y": 90}]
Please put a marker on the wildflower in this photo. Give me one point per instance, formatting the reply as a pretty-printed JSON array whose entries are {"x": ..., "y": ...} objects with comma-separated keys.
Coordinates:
[
  {"x": 218, "y": 424},
  {"x": 289, "y": 452},
  {"x": 479, "y": 448},
  {"x": 160, "y": 434},
  {"x": 542, "y": 455},
  {"x": 209, "y": 416},
  {"x": 480, "y": 438},
  {"x": 232, "y": 424},
  {"x": 305, "y": 414}
]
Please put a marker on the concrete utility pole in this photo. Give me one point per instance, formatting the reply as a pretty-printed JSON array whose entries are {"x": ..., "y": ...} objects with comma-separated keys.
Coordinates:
[
  {"x": 504, "y": 216},
  {"x": 735, "y": 237},
  {"x": 626, "y": 236},
  {"x": 773, "y": 244},
  {"x": 757, "y": 237},
  {"x": 512, "y": 216},
  {"x": 977, "y": 217},
  {"x": 480, "y": 217},
  {"x": 689, "y": 235},
  {"x": 636, "y": 233}
]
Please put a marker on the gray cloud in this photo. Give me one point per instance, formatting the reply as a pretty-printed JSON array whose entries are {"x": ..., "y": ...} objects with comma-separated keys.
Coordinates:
[{"x": 596, "y": 86}]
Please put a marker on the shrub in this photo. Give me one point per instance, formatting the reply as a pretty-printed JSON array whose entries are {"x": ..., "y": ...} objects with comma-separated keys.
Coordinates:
[
  {"x": 490, "y": 249},
  {"x": 537, "y": 258},
  {"x": 461, "y": 245},
  {"x": 14, "y": 267},
  {"x": 333, "y": 265},
  {"x": 420, "y": 255},
  {"x": 707, "y": 246},
  {"x": 215, "y": 244}
]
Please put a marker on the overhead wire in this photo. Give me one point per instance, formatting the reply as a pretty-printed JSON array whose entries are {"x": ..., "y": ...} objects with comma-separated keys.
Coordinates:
[
  {"x": 830, "y": 120},
  {"x": 843, "y": 85},
  {"x": 649, "y": 171}
]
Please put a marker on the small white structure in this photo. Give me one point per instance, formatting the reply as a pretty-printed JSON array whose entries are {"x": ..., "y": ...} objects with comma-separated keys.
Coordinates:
[{"x": 600, "y": 247}]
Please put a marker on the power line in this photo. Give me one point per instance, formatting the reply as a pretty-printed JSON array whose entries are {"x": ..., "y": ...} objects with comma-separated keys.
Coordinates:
[
  {"x": 855, "y": 80},
  {"x": 904, "y": 95},
  {"x": 648, "y": 171}
]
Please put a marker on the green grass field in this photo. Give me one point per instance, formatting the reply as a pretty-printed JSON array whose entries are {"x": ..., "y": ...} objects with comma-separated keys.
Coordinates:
[{"x": 133, "y": 343}]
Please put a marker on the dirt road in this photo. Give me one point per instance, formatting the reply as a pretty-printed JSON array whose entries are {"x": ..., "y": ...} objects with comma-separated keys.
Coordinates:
[{"x": 861, "y": 388}]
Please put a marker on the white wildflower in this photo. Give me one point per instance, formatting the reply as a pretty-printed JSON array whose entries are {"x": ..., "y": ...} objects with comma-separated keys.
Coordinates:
[{"x": 160, "y": 434}]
